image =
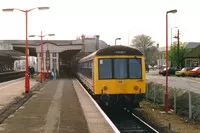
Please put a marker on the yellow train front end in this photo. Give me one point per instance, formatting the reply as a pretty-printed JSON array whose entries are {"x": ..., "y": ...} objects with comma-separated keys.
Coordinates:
[
  {"x": 119, "y": 80},
  {"x": 133, "y": 82}
]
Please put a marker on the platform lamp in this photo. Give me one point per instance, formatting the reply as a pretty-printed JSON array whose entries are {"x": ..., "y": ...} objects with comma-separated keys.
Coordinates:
[
  {"x": 27, "y": 82},
  {"x": 166, "y": 91},
  {"x": 116, "y": 40},
  {"x": 42, "y": 61}
]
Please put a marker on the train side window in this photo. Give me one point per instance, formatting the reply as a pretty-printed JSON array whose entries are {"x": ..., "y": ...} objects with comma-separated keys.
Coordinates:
[
  {"x": 105, "y": 68},
  {"x": 135, "y": 68},
  {"x": 90, "y": 70}
]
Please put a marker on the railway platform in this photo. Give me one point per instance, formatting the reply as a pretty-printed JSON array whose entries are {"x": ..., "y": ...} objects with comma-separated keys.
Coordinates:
[
  {"x": 61, "y": 106},
  {"x": 10, "y": 90}
]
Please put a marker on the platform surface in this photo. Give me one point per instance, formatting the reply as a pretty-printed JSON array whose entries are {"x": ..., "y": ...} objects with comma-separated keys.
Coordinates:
[{"x": 61, "y": 106}]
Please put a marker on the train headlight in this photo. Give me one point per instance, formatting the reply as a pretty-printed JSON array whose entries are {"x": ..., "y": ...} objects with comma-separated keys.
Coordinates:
[
  {"x": 136, "y": 88},
  {"x": 105, "y": 88}
]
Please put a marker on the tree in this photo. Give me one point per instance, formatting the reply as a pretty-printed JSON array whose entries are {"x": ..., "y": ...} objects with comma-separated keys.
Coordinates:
[
  {"x": 173, "y": 54},
  {"x": 151, "y": 55},
  {"x": 145, "y": 44}
]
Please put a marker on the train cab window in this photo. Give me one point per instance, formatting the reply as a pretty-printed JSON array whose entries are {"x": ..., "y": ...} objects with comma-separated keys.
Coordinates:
[
  {"x": 120, "y": 68},
  {"x": 135, "y": 68},
  {"x": 105, "y": 68}
]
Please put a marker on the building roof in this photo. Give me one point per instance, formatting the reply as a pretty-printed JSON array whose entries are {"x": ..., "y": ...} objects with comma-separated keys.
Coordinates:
[
  {"x": 192, "y": 44},
  {"x": 194, "y": 53},
  {"x": 57, "y": 42},
  {"x": 37, "y": 42},
  {"x": 11, "y": 53},
  {"x": 90, "y": 43}
]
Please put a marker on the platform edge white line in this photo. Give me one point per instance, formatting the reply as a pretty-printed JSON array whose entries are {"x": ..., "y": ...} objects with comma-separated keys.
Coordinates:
[{"x": 11, "y": 81}]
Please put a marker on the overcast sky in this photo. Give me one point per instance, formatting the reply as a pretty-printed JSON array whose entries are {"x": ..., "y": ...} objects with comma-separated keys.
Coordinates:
[{"x": 108, "y": 18}]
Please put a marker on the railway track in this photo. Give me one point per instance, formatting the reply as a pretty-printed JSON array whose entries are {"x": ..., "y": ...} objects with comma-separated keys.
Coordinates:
[
  {"x": 128, "y": 122},
  {"x": 11, "y": 76}
]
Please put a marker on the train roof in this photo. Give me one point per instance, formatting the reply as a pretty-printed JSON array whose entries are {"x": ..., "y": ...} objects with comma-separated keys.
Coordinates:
[
  {"x": 114, "y": 50},
  {"x": 118, "y": 50}
]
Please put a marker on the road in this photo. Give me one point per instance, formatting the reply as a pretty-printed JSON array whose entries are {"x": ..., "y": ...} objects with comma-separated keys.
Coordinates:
[{"x": 192, "y": 84}]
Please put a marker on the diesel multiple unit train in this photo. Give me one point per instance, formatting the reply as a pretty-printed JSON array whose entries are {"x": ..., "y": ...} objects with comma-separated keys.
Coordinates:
[{"x": 114, "y": 75}]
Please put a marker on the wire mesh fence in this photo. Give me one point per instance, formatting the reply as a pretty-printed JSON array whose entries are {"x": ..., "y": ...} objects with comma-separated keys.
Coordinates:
[{"x": 183, "y": 102}]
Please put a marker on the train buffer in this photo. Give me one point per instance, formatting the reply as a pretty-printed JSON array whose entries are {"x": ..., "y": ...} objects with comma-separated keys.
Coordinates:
[{"x": 57, "y": 108}]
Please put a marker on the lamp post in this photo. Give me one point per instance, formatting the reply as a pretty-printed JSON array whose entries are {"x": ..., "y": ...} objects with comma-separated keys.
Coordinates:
[
  {"x": 47, "y": 59},
  {"x": 171, "y": 40},
  {"x": 158, "y": 62},
  {"x": 42, "y": 61},
  {"x": 178, "y": 45},
  {"x": 116, "y": 40},
  {"x": 166, "y": 93},
  {"x": 172, "y": 33},
  {"x": 27, "y": 82}
]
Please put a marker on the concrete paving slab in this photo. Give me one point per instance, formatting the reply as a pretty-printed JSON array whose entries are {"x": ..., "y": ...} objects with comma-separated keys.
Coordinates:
[
  {"x": 55, "y": 110},
  {"x": 10, "y": 90}
]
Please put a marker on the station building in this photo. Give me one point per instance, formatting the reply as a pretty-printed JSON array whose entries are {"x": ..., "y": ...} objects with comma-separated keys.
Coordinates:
[
  {"x": 58, "y": 53},
  {"x": 192, "y": 59}
]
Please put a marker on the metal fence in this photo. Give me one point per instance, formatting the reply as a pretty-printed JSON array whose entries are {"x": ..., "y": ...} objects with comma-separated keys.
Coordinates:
[{"x": 183, "y": 102}]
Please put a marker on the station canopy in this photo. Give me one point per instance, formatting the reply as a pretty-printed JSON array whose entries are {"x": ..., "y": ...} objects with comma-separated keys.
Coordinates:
[{"x": 11, "y": 54}]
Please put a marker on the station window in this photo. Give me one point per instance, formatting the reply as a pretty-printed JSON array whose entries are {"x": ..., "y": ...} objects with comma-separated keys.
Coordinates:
[
  {"x": 54, "y": 55},
  {"x": 54, "y": 62}
]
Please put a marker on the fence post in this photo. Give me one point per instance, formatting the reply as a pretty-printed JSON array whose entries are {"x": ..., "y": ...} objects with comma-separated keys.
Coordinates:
[
  {"x": 163, "y": 94},
  {"x": 154, "y": 94},
  {"x": 190, "y": 106}
]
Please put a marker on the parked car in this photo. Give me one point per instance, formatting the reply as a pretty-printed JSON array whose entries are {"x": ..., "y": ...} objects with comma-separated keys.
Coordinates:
[
  {"x": 155, "y": 67},
  {"x": 182, "y": 72},
  {"x": 171, "y": 71},
  {"x": 194, "y": 72}
]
